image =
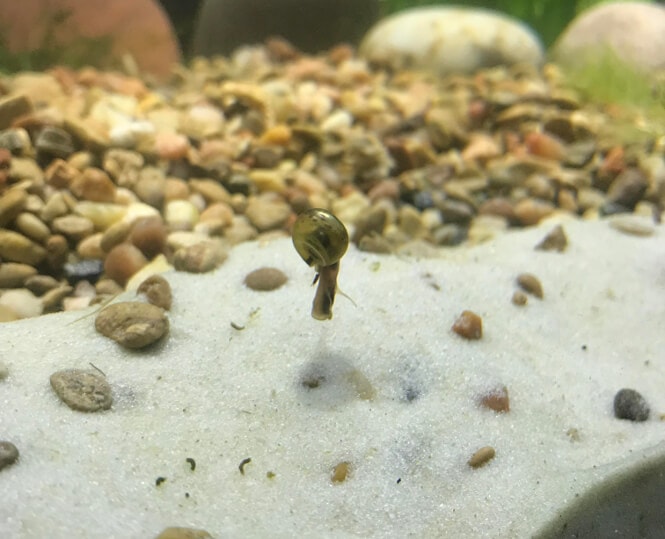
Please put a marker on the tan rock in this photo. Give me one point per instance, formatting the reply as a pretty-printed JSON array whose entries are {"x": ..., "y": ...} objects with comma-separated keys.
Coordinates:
[{"x": 15, "y": 247}]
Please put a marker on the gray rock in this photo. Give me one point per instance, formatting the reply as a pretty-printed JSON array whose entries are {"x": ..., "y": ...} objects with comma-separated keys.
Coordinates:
[
  {"x": 450, "y": 40},
  {"x": 312, "y": 26},
  {"x": 8, "y": 454}
]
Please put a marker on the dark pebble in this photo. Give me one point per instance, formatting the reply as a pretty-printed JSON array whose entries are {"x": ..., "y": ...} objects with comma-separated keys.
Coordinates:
[
  {"x": 8, "y": 454},
  {"x": 612, "y": 208},
  {"x": 265, "y": 279},
  {"x": 85, "y": 270},
  {"x": 629, "y": 404}
]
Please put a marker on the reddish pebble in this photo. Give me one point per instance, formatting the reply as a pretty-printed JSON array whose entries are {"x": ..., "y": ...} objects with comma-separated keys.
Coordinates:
[
  {"x": 171, "y": 146},
  {"x": 122, "y": 262},
  {"x": 94, "y": 185},
  {"x": 546, "y": 146},
  {"x": 469, "y": 325},
  {"x": 149, "y": 235}
]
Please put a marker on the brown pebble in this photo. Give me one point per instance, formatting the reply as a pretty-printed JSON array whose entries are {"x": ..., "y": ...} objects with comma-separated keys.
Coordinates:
[
  {"x": 82, "y": 390},
  {"x": 15, "y": 247},
  {"x": 132, "y": 324},
  {"x": 265, "y": 279},
  {"x": 122, "y": 262},
  {"x": 519, "y": 298},
  {"x": 60, "y": 174},
  {"x": 115, "y": 235},
  {"x": 340, "y": 472},
  {"x": 469, "y": 325},
  {"x": 11, "y": 204},
  {"x": 93, "y": 184},
  {"x": 14, "y": 275},
  {"x": 530, "y": 210},
  {"x": 149, "y": 235},
  {"x": 157, "y": 290},
  {"x": 555, "y": 240},
  {"x": 73, "y": 227},
  {"x": 482, "y": 456},
  {"x": 496, "y": 399},
  {"x": 8, "y": 454},
  {"x": 200, "y": 257},
  {"x": 57, "y": 250},
  {"x": 530, "y": 284},
  {"x": 183, "y": 533}
]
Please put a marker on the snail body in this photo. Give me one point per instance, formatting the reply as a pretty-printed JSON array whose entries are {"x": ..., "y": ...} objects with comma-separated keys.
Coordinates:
[{"x": 321, "y": 240}]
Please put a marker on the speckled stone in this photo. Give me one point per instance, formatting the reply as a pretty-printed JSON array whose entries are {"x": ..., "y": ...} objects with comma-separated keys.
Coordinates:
[
  {"x": 82, "y": 390},
  {"x": 157, "y": 291},
  {"x": 132, "y": 324}
]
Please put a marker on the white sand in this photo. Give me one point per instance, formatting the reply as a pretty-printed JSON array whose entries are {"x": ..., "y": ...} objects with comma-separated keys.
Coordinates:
[{"x": 219, "y": 395}]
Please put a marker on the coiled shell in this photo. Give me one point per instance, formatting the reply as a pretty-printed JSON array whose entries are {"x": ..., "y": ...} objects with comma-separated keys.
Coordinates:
[{"x": 320, "y": 238}]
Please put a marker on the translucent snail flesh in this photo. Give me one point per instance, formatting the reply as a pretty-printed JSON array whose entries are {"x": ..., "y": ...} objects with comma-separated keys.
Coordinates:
[{"x": 321, "y": 240}]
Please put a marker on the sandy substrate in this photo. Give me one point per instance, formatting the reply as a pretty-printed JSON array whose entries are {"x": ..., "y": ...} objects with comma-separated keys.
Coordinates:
[{"x": 397, "y": 397}]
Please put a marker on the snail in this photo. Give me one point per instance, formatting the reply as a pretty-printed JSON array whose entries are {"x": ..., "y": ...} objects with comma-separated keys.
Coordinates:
[{"x": 321, "y": 240}]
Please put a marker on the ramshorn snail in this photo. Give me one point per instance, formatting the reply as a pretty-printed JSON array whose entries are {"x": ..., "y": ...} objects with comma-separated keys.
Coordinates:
[{"x": 321, "y": 240}]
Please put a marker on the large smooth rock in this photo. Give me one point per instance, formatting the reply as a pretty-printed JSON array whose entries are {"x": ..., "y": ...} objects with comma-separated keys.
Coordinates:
[
  {"x": 635, "y": 31},
  {"x": 88, "y": 30},
  {"x": 450, "y": 40},
  {"x": 311, "y": 25}
]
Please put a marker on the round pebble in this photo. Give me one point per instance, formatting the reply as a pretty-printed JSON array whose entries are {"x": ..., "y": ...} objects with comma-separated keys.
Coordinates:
[
  {"x": 132, "y": 324},
  {"x": 22, "y": 302},
  {"x": 82, "y": 390},
  {"x": 496, "y": 399},
  {"x": 13, "y": 275},
  {"x": 519, "y": 298},
  {"x": 265, "y": 279},
  {"x": 122, "y": 262},
  {"x": 8, "y": 454},
  {"x": 631, "y": 405},
  {"x": 149, "y": 235},
  {"x": 157, "y": 291},
  {"x": 469, "y": 325},
  {"x": 530, "y": 284},
  {"x": 482, "y": 457}
]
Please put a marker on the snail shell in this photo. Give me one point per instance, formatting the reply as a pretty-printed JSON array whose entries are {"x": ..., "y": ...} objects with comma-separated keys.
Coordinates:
[{"x": 320, "y": 238}]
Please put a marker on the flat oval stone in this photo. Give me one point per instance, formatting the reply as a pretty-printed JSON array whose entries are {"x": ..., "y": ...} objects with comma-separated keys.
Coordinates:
[
  {"x": 85, "y": 391},
  {"x": 132, "y": 324}
]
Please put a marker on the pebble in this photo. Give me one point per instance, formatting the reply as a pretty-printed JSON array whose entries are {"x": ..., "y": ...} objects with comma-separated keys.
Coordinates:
[
  {"x": 631, "y": 405},
  {"x": 267, "y": 212},
  {"x": 91, "y": 247},
  {"x": 157, "y": 291},
  {"x": 149, "y": 235},
  {"x": 73, "y": 227},
  {"x": 181, "y": 214},
  {"x": 52, "y": 300},
  {"x": 60, "y": 174},
  {"x": 123, "y": 261},
  {"x": 11, "y": 204},
  {"x": 469, "y": 325},
  {"x": 132, "y": 324},
  {"x": 82, "y": 390},
  {"x": 211, "y": 190},
  {"x": 519, "y": 298},
  {"x": 32, "y": 226},
  {"x": 530, "y": 211},
  {"x": 13, "y": 275},
  {"x": 150, "y": 187},
  {"x": 340, "y": 472},
  {"x": 83, "y": 270},
  {"x": 628, "y": 188},
  {"x": 265, "y": 279},
  {"x": 201, "y": 257},
  {"x": 55, "y": 206},
  {"x": 15, "y": 247},
  {"x": 530, "y": 284},
  {"x": 102, "y": 214},
  {"x": 555, "y": 240},
  {"x": 54, "y": 142},
  {"x": 22, "y": 302},
  {"x": 482, "y": 456},
  {"x": 40, "y": 284},
  {"x": 57, "y": 250},
  {"x": 183, "y": 533},
  {"x": 114, "y": 235},
  {"x": 93, "y": 185},
  {"x": 4, "y": 371},
  {"x": 632, "y": 225},
  {"x": 13, "y": 107},
  {"x": 8, "y": 454},
  {"x": 496, "y": 399}
]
